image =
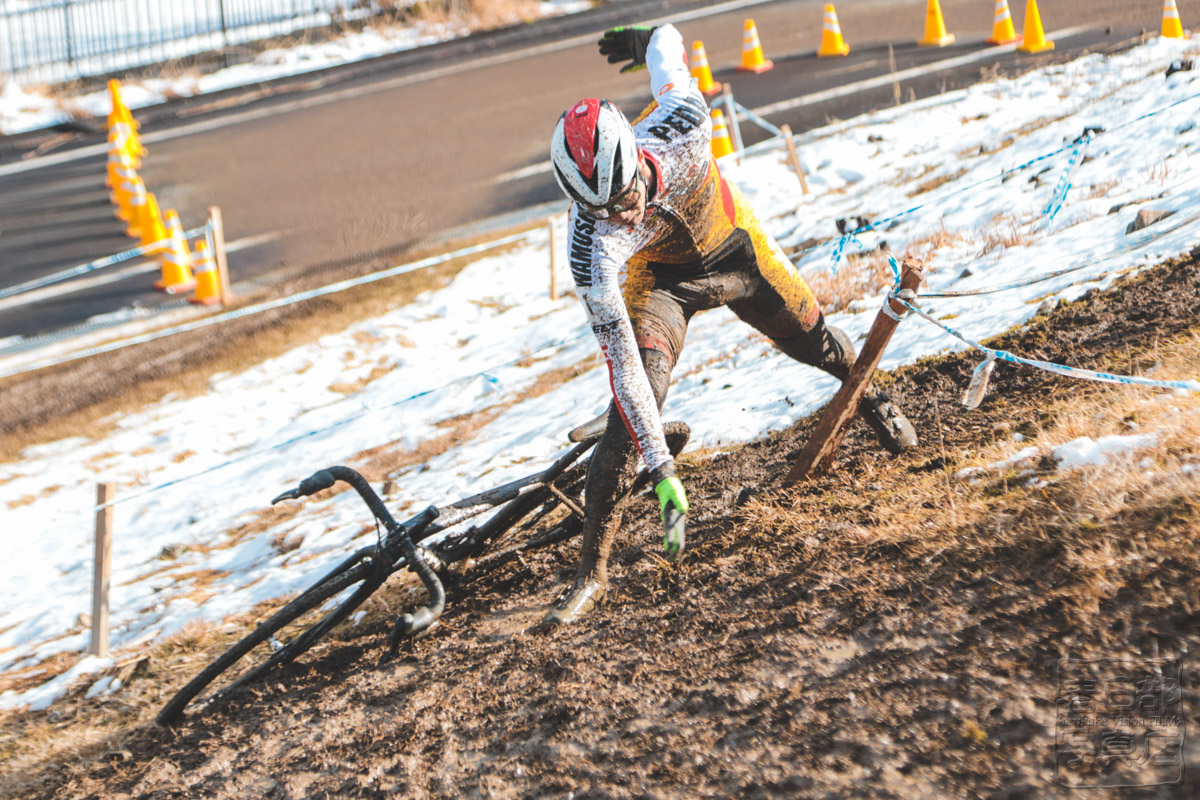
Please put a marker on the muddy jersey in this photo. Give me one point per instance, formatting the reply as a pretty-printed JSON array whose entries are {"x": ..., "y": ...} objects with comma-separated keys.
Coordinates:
[{"x": 687, "y": 220}]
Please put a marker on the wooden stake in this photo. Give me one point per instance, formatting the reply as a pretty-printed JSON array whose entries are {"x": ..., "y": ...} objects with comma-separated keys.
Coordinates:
[
  {"x": 793, "y": 156},
  {"x": 895, "y": 83},
  {"x": 102, "y": 569},
  {"x": 553, "y": 260},
  {"x": 817, "y": 455},
  {"x": 734, "y": 127},
  {"x": 218, "y": 235}
]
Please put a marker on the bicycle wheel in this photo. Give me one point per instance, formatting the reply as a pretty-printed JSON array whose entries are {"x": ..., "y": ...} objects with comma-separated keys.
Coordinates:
[{"x": 355, "y": 570}]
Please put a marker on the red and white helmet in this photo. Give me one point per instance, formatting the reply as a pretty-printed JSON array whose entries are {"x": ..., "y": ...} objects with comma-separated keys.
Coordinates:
[{"x": 594, "y": 152}]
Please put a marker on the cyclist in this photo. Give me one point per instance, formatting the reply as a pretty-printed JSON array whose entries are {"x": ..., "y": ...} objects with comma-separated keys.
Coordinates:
[{"x": 655, "y": 234}]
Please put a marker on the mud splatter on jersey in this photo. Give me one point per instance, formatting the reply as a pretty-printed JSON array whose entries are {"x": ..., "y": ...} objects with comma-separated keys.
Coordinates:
[{"x": 691, "y": 220}]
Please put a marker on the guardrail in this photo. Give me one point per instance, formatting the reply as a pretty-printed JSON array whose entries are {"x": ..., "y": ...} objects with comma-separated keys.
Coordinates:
[{"x": 50, "y": 41}]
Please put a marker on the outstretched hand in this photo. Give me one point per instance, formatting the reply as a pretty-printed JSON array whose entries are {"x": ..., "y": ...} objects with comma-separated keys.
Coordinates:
[
  {"x": 626, "y": 44},
  {"x": 673, "y": 508}
]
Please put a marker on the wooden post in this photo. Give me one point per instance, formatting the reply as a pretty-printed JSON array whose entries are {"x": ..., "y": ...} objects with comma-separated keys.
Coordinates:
[
  {"x": 553, "y": 260},
  {"x": 102, "y": 569},
  {"x": 793, "y": 156},
  {"x": 817, "y": 455},
  {"x": 895, "y": 83},
  {"x": 218, "y": 247},
  {"x": 734, "y": 127}
]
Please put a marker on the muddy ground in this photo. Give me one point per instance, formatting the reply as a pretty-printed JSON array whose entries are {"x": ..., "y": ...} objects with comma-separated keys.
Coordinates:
[{"x": 772, "y": 662}]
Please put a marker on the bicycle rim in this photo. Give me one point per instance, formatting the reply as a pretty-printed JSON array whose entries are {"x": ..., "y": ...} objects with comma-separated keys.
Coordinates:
[{"x": 302, "y": 636}]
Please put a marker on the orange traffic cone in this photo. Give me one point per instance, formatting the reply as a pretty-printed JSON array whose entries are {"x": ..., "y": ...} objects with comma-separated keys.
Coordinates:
[
  {"x": 832, "y": 43},
  {"x": 118, "y": 137},
  {"x": 123, "y": 132},
  {"x": 177, "y": 261},
  {"x": 120, "y": 111},
  {"x": 121, "y": 118},
  {"x": 752, "y": 52},
  {"x": 1172, "y": 28},
  {"x": 1035, "y": 37},
  {"x": 151, "y": 227},
  {"x": 137, "y": 201},
  {"x": 208, "y": 283},
  {"x": 114, "y": 163},
  {"x": 122, "y": 174},
  {"x": 701, "y": 71},
  {"x": 1003, "y": 31},
  {"x": 118, "y": 160},
  {"x": 721, "y": 143},
  {"x": 935, "y": 27}
]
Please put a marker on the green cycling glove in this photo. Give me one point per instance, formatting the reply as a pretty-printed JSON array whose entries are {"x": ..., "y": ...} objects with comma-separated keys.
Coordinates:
[
  {"x": 626, "y": 44},
  {"x": 673, "y": 506}
]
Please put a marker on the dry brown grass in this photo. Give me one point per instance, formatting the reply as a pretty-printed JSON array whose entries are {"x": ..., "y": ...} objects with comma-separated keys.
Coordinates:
[
  {"x": 1159, "y": 173},
  {"x": 855, "y": 278},
  {"x": 283, "y": 542},
  {"x": 1174, "y": 418},
  {"x": 866, "y": 274},
  {"x": 30, "y": 498},
  {"x": 474, "y": 14},
  {"x": 352, "y": 387},
  {"x": 940, "y": 180},
  {"x": 1104, "y": 525},
  {"x": 1004, "y": 231},
  {"x": 1101, "y": 189},
  {"x": 77, "y": 731}
]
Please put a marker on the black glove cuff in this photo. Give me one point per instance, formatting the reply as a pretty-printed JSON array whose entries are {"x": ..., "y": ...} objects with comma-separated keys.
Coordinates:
[{"x": 662, "y": 472}]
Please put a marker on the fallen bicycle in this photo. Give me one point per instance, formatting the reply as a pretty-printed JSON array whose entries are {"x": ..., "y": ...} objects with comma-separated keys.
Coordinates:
[{"x": 524, "y": 505}]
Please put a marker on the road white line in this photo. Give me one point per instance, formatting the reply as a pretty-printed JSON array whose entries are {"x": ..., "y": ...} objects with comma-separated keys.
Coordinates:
[
  {"x": 139, "y": 268},
  {"x": 845, "y": 91},
  {"x": 358, "y": 91}
]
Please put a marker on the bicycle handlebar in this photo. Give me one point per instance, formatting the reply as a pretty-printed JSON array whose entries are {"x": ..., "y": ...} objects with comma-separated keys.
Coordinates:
[
  {"x": 310, "y": 485},
  {"x": 399, "y": 534}
]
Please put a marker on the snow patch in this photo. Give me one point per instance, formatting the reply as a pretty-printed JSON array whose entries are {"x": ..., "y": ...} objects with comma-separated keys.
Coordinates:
[{"x": 1086, "y": 452}]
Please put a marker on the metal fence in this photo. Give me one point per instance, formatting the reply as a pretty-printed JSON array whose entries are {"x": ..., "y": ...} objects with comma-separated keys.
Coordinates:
[{"x": 49, "y": 41}]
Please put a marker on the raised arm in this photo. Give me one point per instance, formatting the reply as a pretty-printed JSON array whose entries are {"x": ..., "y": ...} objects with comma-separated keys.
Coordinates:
[
  {"x": 667, "y": 60},
  {"x": 660, "y": 48}
]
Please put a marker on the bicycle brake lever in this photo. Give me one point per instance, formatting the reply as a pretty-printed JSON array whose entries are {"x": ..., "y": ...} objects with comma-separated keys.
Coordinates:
[{"x": 314, "y": 483}]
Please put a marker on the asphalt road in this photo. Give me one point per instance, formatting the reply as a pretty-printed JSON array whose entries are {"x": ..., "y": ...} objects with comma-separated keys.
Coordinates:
[{"x": 347, "y": 172}]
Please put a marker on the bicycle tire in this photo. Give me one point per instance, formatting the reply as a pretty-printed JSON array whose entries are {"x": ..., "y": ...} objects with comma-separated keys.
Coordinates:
[
  {"x": 304, "y": 641},
  {"x": 331, "y": 585}
]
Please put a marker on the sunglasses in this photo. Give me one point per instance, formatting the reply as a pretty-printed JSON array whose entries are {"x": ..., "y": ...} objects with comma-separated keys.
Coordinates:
[{"x": 623, "y": 202}]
